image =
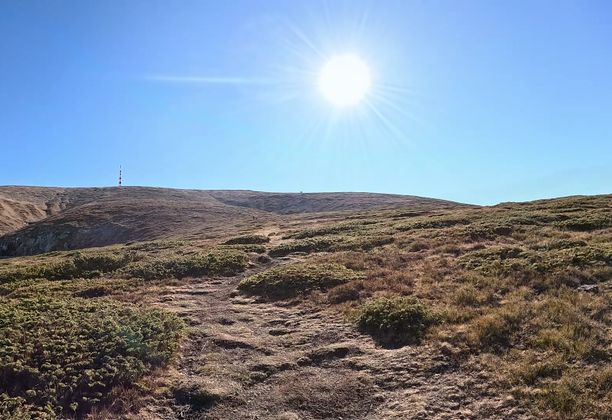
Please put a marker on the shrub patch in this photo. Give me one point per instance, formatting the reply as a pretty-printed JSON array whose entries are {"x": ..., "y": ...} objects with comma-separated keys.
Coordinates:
[
  {"x": 292, "y": 280},
  {"x": 395, "y": 321},
  {"x": 63, "y": 355}
]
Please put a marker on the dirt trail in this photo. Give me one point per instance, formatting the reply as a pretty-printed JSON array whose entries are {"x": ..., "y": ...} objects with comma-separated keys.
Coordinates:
[{"x": 271, "y": 360}]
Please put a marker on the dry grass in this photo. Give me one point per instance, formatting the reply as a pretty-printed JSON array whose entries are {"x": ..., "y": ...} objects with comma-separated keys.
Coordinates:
[{"x": 526, "y": 284}]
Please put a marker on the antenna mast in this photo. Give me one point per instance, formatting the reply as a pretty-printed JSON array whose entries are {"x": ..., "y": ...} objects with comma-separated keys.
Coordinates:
[{"x": 120, "y": 179}]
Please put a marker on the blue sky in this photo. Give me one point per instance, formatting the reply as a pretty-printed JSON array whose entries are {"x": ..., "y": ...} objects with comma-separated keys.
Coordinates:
[{"x": 474, "y": 101}]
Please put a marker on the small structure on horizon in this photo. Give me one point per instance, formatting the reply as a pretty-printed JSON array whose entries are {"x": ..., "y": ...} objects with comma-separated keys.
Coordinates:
[{"x": 120, "y": 178}]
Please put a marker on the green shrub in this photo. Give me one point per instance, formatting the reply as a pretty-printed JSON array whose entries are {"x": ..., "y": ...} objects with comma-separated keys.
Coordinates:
[
  {"x": 586, "y": 224},
  {"x": 101, "y": 262},
  {"x": 84, "y": 265},
  {"x": 17, "y": 408},
  {"x": 216, "y": 263},
  {"x": 305, "y": 245},
  {"x": 247, "y": 240},
  {"x": 416, "y": 246},
  {"x": 395, "y": 321},
  {"x": 63, "y": 355},
  {"x": 485, "y": 257},
  {"x": 364, "y": 243},
  {"x": 330, "y": 230},
  {"x": 291, "y": 280},
  {"x": 561, "y": 244},
  {"x": 485, "y": 231},
  {"x": 256, "y": 248},
  {"x": 586, "y": 256},
  {"x": 433, "y": 223},
  {"x": 331, "y": 244}
]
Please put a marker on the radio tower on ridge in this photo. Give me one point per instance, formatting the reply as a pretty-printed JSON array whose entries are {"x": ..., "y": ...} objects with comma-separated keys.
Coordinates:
[{"x": 120, "y": 179}]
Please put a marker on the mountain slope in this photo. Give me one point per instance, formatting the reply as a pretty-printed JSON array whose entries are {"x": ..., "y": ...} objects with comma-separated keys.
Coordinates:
[
  {"x": 292, "y": 203},
  {"x": 37, "y": 219}
]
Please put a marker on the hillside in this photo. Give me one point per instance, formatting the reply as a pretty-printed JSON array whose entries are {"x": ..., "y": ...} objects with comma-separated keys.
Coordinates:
[
  {"x": 293, "y": 203},
  {"x": 452, "y": 312},
  {"x": 35, "y": 220}
]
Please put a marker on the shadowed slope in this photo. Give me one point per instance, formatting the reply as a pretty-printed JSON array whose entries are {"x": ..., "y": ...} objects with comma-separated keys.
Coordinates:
[{"x": 290, "y": 203}]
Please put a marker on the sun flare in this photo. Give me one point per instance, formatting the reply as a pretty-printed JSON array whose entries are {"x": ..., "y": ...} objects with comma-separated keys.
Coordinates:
[{"x": 344, "y": 80}]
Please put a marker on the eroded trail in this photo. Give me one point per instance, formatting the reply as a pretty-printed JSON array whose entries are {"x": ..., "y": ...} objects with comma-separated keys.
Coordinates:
[{"x": 273, "y": 360}]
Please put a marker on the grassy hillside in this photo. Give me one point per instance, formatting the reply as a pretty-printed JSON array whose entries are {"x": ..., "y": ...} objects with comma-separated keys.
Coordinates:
[{"x": 452, "y": 312}]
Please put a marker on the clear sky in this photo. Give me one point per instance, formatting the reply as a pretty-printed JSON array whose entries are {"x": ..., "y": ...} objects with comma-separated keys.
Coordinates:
[{"x": 474, "y": 101}]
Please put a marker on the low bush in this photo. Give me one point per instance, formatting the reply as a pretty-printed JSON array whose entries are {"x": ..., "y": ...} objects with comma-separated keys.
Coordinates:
[
  {"x": 586, "y": 256},
  {"x": 586, "y": 224},
  {"x": 365, "y": 243},
  {"x": 61, "y": 356},
  {"x": 485, "y": 231},
  {"x": 331, "y": 244},
  {"x": 395, "y": 321},
  {"x": 493, "y": 257},
  {"x": 305, "y": 245},
  {"x": 83, "y": 265},
  {"x": 291, "y": 280},
  {"x": 247, "y": 240},
  {"x": 351, "y": 227},
  {"x": 216, "y": 263},
  {"x": 433, "y": 223},
  {"x": 256, "y": 248}
]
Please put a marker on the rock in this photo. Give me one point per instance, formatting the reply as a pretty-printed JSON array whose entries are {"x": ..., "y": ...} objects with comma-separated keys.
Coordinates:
[{"x": 592, "y": 288}]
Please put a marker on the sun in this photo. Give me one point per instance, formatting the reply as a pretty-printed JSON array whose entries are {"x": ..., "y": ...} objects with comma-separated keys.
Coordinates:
[{"x": 344, "y": 80}]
